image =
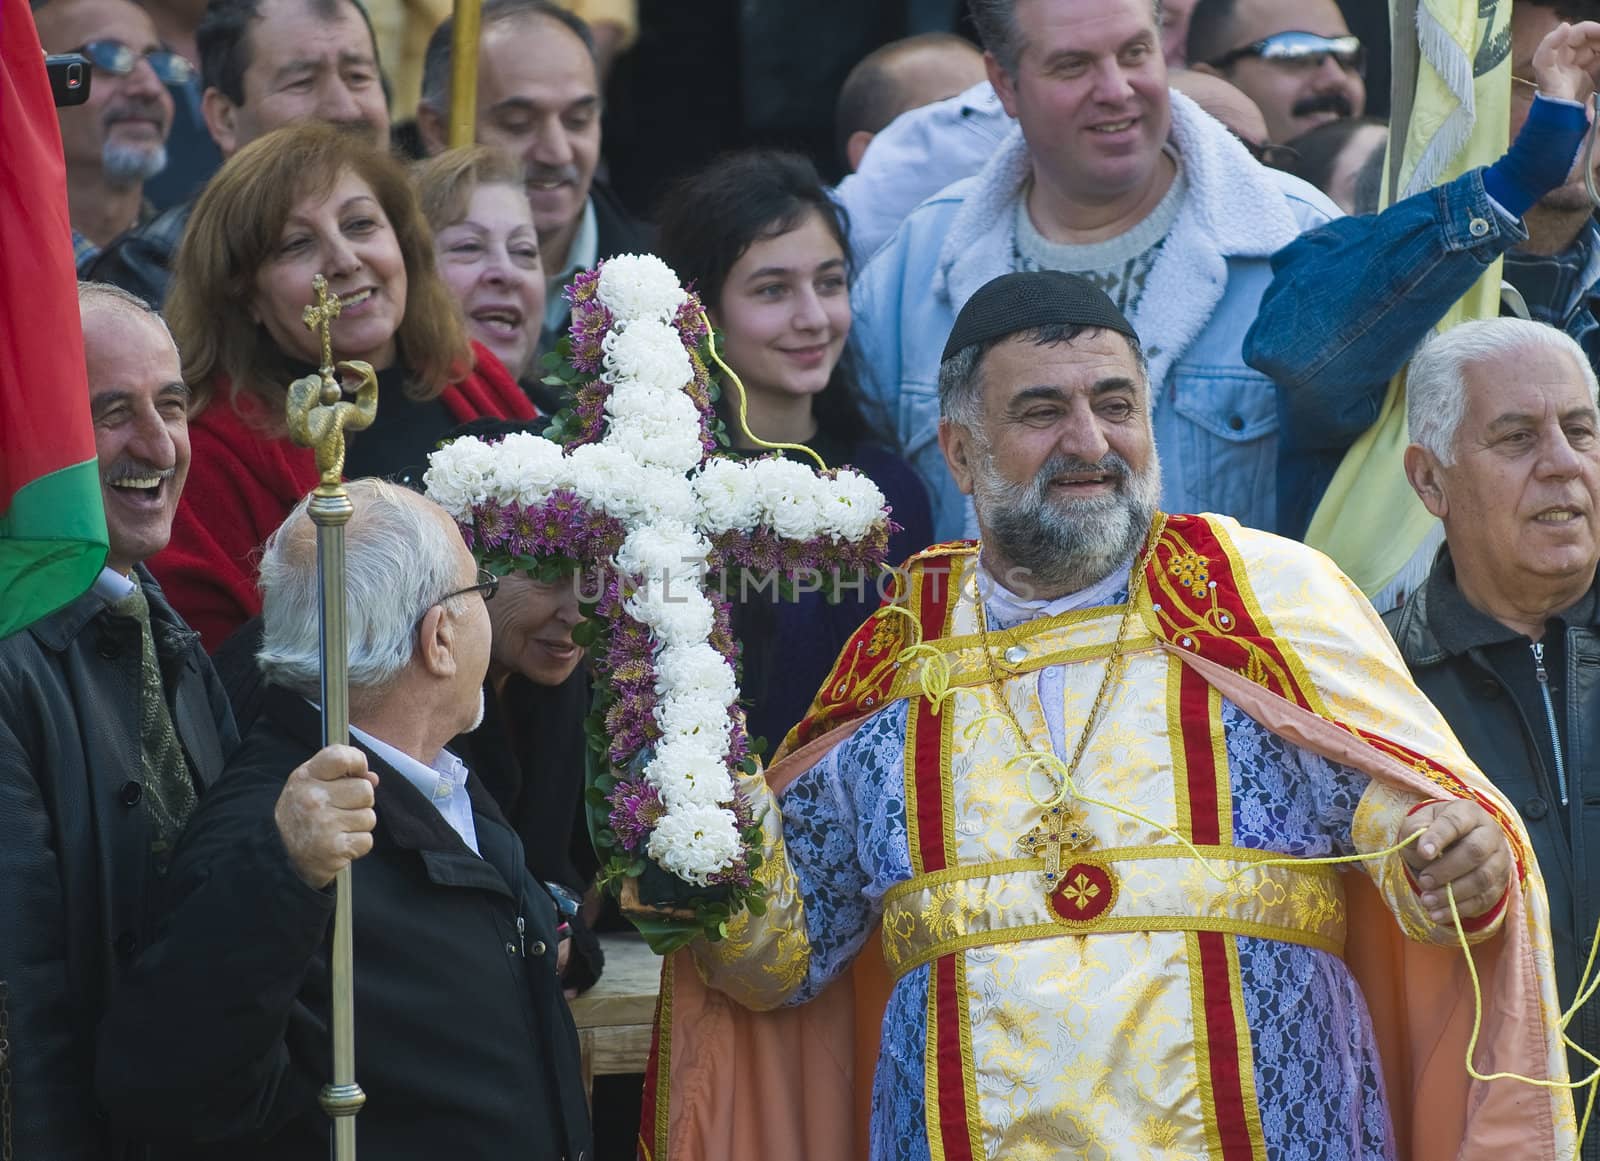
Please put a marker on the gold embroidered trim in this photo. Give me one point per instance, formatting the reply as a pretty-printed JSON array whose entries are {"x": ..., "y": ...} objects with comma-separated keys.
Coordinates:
[{"x": 1158, "y": 889}]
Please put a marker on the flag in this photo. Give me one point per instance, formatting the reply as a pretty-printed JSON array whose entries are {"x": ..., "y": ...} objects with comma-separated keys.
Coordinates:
[
  {"x": 1451, "y": 113},
  {"x": 52, "y": 527}
]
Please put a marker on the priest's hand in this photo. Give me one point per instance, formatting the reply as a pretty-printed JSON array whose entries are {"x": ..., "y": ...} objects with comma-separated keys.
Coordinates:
[
  {"x": 325, "y": 814},
  {"x": 1461, "y": 847}
]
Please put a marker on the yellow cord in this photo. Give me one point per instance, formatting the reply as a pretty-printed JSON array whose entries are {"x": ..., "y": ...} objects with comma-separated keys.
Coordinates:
[{"x": 744, "y": 419}]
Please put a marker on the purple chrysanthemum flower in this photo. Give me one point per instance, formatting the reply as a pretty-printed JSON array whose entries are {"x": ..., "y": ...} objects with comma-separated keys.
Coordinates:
[
  {"x": 631, "y": 724},
  {"x": 523, "y": 535},
  {"x": 492, "y": 523},
  {"x": 636, "y": 807}
]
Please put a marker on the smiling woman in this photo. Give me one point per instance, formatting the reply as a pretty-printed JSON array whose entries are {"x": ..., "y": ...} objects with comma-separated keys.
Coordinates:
[
  {"x": 487, "y": 247},
  {"x": 306, "y": 200}
]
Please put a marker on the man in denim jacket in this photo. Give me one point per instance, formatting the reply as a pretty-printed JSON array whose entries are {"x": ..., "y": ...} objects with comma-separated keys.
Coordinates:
[
  {"x": 1351, "y": 301},
  {"x": 1112, "y": 177}
]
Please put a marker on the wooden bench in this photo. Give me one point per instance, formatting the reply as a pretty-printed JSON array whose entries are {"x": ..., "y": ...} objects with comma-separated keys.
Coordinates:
[{"x": 614, "y": 1017}]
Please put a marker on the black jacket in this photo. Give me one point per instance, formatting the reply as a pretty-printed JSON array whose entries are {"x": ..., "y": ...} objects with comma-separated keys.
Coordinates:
[
  {"x": 75, "y": 863},
  {"x": 140, "y": 261},
  {"x": 1500, "y": 738},
  {"x": 218, "y": 1043}
]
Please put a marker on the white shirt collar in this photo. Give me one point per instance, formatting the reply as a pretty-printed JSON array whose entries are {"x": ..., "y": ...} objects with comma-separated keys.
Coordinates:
[
  {"x": 111, "y": 586},
  {"x": 1006, "y": 609},
  {"x": 444, "y": 783}
]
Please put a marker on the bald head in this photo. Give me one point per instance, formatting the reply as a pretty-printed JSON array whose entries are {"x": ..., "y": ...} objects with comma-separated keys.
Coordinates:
[
  {"x": 1224, "y": 101},
  {"x": 901, "y": 76}
]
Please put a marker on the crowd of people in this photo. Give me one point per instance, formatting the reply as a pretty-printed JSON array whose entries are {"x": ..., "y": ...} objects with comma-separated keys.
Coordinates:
[{"x": 1101, "y": 300}]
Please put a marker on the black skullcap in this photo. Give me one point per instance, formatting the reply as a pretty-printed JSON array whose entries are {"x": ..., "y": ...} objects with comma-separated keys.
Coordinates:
[{"x": 1029, "y": 299}]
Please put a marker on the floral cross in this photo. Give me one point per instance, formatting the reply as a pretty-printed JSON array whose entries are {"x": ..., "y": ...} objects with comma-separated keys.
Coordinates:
[{"x": 629, "y": 487}]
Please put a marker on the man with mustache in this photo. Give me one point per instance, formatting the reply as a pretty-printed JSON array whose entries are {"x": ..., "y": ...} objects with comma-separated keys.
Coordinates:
[
  {"x": 539, "y": 99},
  {"x": 1295, "y": 59},
  {"x": 1110, "y": 175},
  {"x": 1076, "y": 785},
  {"x": 1350, "y": 301},
  {"x": 263, "y": 65},
  {"x": 116, "y": 140},
  {"x": 111, "y": 724},
  {"x": 1504, "y": 636}
]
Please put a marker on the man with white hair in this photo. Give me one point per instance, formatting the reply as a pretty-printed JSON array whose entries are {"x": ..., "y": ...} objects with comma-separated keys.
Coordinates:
[
  {"x": 112, "y": 722},
  {"x": 1082, "y": 787},
  {"x": 464, "y": 1043},
  {"x": 1504, "y": 636}
]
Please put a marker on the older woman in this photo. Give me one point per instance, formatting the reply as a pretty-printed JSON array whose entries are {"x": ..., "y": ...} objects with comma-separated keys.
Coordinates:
[
  {"x": 488, "y": 252},
  {"x": 306, "y": 200}
]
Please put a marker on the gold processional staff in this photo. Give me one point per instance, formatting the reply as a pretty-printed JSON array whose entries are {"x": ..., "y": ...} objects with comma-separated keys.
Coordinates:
[{"x": 318, "y": 416}]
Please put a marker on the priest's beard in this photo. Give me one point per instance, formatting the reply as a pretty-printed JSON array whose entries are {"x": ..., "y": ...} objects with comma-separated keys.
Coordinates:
[{"x": 1055, "y": 545}]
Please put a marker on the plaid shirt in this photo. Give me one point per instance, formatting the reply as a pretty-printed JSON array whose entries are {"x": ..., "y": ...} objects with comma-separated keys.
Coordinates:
[
  {"x": 84, "y": 252},
  {"x": 1560, "y": 289}
]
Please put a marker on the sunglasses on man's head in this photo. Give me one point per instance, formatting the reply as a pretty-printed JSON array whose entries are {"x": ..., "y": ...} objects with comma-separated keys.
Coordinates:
[
  {"x": 118, "y": 59},
  {"x": 1301, "y": 50}
]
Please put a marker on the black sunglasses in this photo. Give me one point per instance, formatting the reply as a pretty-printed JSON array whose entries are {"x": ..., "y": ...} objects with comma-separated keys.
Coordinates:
[
  {"x": 488, "y": 584},
  {"x": 1301, "y": 50},
  {"x": 118, "y": 59}
]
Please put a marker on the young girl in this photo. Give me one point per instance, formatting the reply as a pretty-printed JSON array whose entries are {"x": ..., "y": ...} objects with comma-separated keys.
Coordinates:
[{"x": 767, "y": 251}]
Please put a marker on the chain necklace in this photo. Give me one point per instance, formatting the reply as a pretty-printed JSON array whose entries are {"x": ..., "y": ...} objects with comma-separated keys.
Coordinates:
[{"x": 1114, "y": 665}]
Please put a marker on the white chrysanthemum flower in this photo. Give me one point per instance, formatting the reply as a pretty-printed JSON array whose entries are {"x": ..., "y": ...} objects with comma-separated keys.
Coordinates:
[
  {"x": 659, "y": 441},
  {"x": 675, "y": 608},
  {"x": 458, "y": 475},
  {"x": 695, "y": 843},
  {"x": 603, "y": 477},
  {"x": 664, "y": 496},
  {"x": 697, "y": 667},
  {"x": 690, "y": 772},
  {"x": 727, "y": 495},
  {"x": 791, "y": 498},
  {"x": 694, "y": 716},
  {"x": 657, "y": 551},
  {"x": 851, "y": 505},
  {"x": 649, "y": 353},
  {"x": 631, "y": 397},
  {"x": 640, "y": 286},
  {"x": 527, "y": 468}
]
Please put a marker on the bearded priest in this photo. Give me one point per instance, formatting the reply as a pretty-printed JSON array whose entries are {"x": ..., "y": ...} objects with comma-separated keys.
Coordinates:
[{"x": 1116, "y": 834}]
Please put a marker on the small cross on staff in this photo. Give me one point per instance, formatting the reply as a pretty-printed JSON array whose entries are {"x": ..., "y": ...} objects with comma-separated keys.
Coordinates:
[{"x": 319, "y": 318}]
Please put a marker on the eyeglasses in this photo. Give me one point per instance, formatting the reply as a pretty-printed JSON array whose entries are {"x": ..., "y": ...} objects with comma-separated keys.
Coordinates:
[
  {"x": 118, "y": 59},
  {"x": 488, "y": 584},
  {"x": 1274, "y": 156},
  {"x": 1301, "y": 51}
]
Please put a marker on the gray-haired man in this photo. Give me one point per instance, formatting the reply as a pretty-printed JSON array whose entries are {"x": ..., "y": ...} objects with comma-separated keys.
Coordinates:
[
  {"x": 1504, "y": 636},
  {"x": 111, "y": 723},
  {"x": 465, "y": 1045}
]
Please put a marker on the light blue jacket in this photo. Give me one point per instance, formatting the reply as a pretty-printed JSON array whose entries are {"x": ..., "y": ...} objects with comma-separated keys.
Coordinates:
[{"x": 1216, "y": 419}]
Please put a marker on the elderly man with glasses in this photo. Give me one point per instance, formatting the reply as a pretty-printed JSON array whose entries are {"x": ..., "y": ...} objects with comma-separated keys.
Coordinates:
[
  {"x": 1295, "y": 59},
  {"x": 465, "y": 1047},
  {"x": 116, "y": 140}
]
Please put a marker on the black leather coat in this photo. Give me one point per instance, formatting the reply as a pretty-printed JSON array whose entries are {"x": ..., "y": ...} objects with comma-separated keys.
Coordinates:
[{"x": 75, "y": 865}]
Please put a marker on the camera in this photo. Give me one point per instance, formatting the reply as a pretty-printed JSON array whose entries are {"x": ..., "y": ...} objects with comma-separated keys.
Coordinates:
[{"x": 69, "y": 78}]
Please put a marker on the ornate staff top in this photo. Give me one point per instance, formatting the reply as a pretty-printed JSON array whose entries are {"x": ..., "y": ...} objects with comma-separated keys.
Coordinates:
[{"x": 318, "y": 414}]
